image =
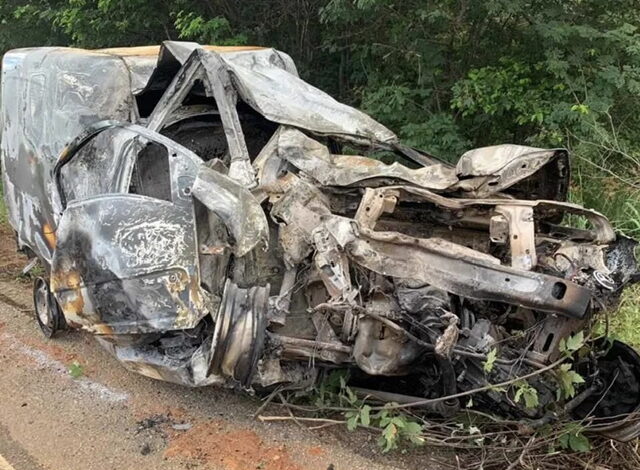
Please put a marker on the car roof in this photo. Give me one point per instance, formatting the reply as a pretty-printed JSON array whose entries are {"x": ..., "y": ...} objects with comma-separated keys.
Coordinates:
[{"x": 155, "y": 50}]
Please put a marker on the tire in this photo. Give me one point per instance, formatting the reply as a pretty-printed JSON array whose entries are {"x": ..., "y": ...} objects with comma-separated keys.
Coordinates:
[{"x": 47, "y": 311}]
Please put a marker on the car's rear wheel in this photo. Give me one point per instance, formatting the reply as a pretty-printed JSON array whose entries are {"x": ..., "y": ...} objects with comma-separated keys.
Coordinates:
[{"x": 48, "y": 313}]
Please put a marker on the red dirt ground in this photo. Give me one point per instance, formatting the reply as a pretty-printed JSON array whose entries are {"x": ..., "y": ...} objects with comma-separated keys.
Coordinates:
[{"x": 235, "y": 449}]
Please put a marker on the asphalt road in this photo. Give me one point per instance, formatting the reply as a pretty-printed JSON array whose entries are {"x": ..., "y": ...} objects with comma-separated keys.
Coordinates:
[{"x": 109, "y": 418}]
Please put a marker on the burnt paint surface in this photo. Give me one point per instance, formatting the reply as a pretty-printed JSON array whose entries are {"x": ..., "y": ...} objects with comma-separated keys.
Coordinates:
[{"x": 126, "y": 262}]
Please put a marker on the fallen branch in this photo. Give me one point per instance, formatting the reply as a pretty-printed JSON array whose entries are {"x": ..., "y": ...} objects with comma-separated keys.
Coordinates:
[
  {"x": 292, "y": 418},
  {"x": 429, "y": 401}
]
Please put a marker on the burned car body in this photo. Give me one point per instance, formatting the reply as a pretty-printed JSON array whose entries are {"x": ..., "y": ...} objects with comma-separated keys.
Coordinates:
[{"x": 213, "y": 219}]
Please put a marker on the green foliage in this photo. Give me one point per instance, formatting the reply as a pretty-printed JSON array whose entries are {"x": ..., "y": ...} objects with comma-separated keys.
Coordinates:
[
  {"x": 359, "y": 416},
  {"x": 625, "y": 324},
  {"x": 4, "y": 216},
  {"x": 397, "y": 427},
  {"x": 527, "y": 393},
  {"x": 567, "y": 379},
  {"x": 491, "y": 359},
  {"x": 571, "y": 344},
  {"x": 573, "y": 438},
  {"x": 216, "y": 30},
  {"x": 75, "y": 370},
  {"x": 329, "y": 390}
]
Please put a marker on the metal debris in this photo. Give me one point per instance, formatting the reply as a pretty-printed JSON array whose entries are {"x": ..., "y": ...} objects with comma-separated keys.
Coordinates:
[{"x": 214, "y": 219}]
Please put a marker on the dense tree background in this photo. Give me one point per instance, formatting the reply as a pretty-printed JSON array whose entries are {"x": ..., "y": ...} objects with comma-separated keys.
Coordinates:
[{"x": 446, "y": 75}]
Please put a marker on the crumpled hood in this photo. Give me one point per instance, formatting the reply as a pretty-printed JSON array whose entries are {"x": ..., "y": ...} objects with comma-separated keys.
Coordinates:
[{"x": 267, "y": 80}]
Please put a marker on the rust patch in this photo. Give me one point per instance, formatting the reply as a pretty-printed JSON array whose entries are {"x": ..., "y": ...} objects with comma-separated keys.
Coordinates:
[
  {"x": 196, "y": 295},
  {"x": 236, "y": 449},
  {"x": 65, "y": 280},
  {"x": 72, "y": 302},
  {"x": 101, "y": 329},
  {"x": 73, "y": 280},
  {"x": 177, "y": 283},
  {"x": 75, "y": 306},
  {"x": 49, "y": 235},
  {"x": 356, "y": 161}
]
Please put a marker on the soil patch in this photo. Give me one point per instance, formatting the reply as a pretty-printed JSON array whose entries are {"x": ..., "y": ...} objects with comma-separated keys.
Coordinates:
[
  {"x": 11, "y": 261},
  {"x": 233, "y": 449}
]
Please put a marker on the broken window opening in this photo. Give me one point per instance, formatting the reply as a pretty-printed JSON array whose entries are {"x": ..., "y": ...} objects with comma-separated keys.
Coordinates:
[
  {"x": 386, "y": 156},
  {"x": 147, "y": 101},
  {"x": 203, "y": 135},
  {"x": 256, "y": 128},
  {"x": 151, "y": 173},
  {"x": 198, "y": 96}
]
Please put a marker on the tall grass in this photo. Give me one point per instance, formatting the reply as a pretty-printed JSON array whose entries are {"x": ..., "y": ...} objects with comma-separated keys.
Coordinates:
[
  {"x": 606, "y": 178},
  {"x": 625, "y": 323},
  {"x": 620, "y": 202},
  {"x": 4, "y": 217}
]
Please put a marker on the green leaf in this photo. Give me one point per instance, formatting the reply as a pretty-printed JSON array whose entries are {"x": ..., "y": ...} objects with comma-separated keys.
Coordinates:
[
  {"x": 562, "y": 346},
  {"x": 352, "y": 398},
  {"x": 573, "y": 343},
  {"x": 75, "y": 370},
  {"x": 573, "y": 438},
  {"x": 566, "y": 379},
  {"x": 343, "y": 381},
  {"x": 352, "y": 422},
  {"x": 528, "y": 393},
  {"x": 413, "y": 432},
  {"x": 579, "y": 442},
  {"x": 563, "y": 440},
  {"x": 365, "y": 415},
  {"x": 390, "y": 435},
  {"x": 411, "y": 427},
  {"x": 399, "y": 421},
  {"x": 580, "y": 108},
  {"x": 531, "y": 398},
  {"x": 385, "y": 420},
  {"x": 491, "y": 359}
]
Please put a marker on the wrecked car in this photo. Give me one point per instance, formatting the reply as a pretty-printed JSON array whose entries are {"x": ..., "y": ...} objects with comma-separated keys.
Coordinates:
[{"x": 215, "y": 220}]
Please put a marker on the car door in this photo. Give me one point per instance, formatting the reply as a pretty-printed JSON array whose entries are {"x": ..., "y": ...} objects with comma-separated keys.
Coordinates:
[{"x": 126, "y": 258}]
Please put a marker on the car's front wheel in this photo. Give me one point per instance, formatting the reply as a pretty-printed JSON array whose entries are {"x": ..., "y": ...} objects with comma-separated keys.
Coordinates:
[{"x": 48, "y": 313}]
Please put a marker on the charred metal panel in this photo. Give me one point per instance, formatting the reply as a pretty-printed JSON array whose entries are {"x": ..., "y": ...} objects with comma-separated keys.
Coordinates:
[
  {"x": 281, "y": 245},
  {"x": 65, "y": 93},
  {"x": 314, "y": 159},
  {"x": 237, "y": 208},
  {"x": 457, "y": 269},
  {"x": 127, "y": 264}
]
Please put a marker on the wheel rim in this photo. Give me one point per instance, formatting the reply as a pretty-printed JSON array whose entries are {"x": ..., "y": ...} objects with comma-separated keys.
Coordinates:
[{"x": 43, "y": 309}]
